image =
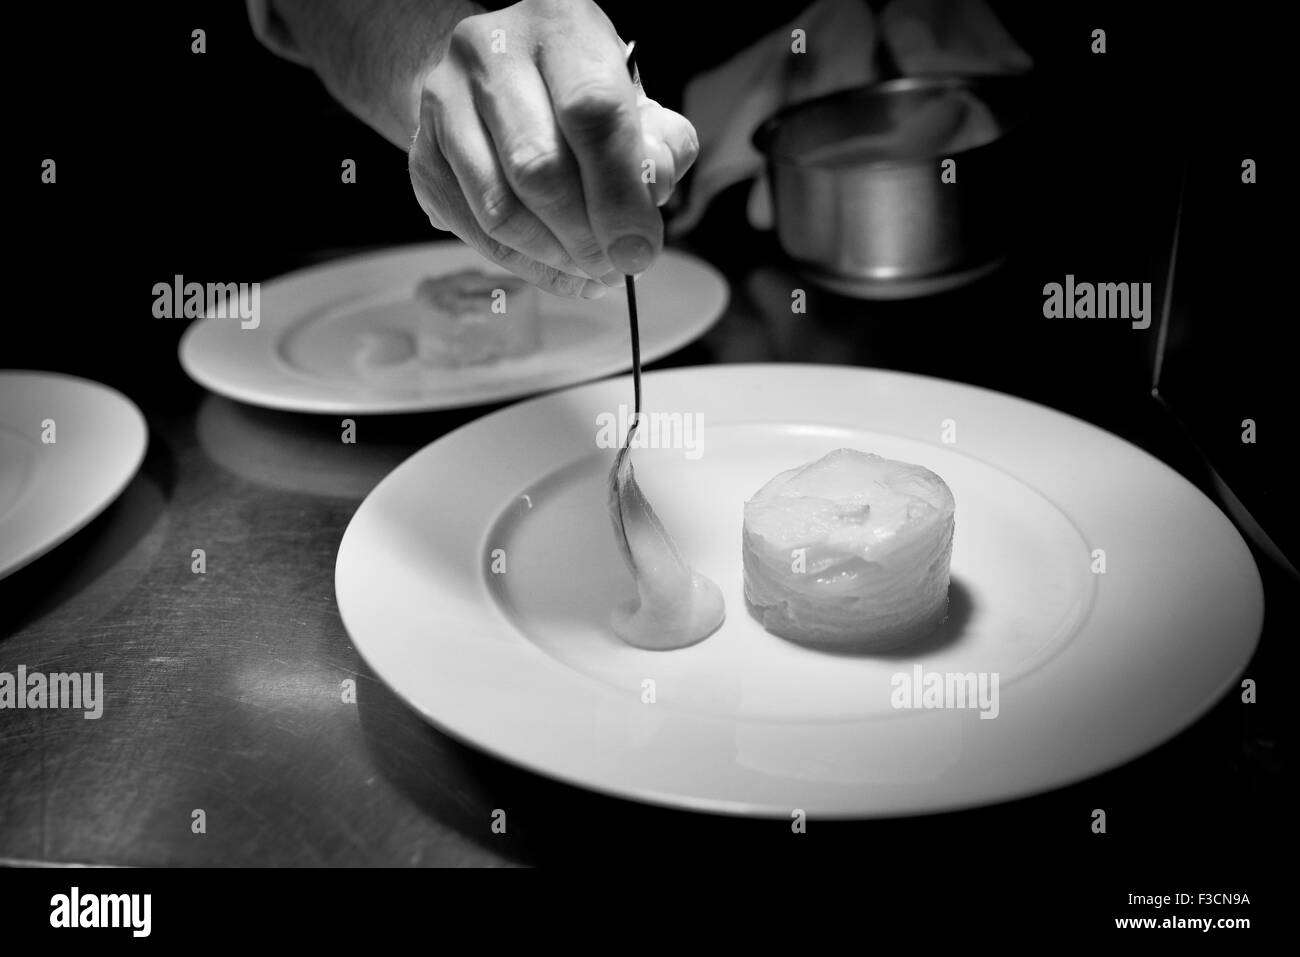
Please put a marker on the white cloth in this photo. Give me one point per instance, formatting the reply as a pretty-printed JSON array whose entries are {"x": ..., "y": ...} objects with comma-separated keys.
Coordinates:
[
  {"x": 960, "y": 37},
  {"x": 269, "y": 29},
  {"x": 727, "y": 104}
]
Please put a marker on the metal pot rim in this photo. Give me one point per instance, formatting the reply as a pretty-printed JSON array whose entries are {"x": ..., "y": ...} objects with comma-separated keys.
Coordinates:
[{"x": 766, "y": 132}]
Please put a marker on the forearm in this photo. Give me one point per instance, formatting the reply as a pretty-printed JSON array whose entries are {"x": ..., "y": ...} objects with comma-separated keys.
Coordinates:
[{"x": 372, "y": 54}]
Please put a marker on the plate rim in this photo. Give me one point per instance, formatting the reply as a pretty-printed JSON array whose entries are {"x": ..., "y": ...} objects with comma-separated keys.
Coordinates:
[
  {"x": 201, "y": 376},
  {"x": 118, "y": 486},
  {"x": 1190, "y": 715}
]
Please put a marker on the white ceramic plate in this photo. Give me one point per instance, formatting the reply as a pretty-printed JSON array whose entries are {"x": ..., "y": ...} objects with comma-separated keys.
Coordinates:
[
  {"x": 305, "y": 352},
  {"x": 50, "y": 490},
  {"x": 1094, "y": 668}
]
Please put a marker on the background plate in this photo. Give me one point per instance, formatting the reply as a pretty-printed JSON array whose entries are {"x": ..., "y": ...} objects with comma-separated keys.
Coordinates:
[
  {"x": 302, "y": 354},
  {"x": 48, "y": 491}
]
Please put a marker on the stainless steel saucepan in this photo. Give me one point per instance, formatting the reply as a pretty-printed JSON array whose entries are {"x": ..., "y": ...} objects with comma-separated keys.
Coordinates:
[{"x": 858, "y": 194}]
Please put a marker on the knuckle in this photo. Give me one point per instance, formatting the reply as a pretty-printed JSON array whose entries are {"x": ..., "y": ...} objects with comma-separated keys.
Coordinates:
[
  {"x": 554, "y": 14},
  {"x": 469, "y": 40},
  {"x": 587, "y": 251},
  {"x": 562, "y": 283},
  {"x": 538, "y": 274},
  {"x": 593, "y": 110},
  {"x": 499, "y": 251},
  {"x": 690, "y": 147},
  {"x": 497, "y": 211},
  {"x": 535, "y": 170}
]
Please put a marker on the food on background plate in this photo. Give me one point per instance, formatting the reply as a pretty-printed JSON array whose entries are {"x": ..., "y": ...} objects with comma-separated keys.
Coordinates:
[
  {"x": 471, "y": 317},
  {"x": 851, "y": 551}
]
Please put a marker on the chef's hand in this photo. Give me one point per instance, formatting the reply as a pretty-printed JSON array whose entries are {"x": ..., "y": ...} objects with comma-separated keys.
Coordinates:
[{"x": 535, "y": 147}]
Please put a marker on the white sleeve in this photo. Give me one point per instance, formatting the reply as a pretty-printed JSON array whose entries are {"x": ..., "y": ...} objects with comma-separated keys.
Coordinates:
[{"x": 271, "y": 30}]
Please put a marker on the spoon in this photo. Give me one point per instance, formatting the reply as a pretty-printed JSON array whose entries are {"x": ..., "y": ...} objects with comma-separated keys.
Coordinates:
[
  {"x": 621, "y": 478},
  {"x": 675, "y": 605}
]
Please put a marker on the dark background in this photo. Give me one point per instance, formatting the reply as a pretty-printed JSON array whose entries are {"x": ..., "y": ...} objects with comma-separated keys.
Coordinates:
[{"x": 226, "y": 167}]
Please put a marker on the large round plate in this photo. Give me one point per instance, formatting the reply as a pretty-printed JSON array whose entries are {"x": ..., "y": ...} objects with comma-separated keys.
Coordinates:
[
  {"x": 51, "y": 489},
  {"x": 477, "y": 579},
  {"x": 303, "y": 352}
]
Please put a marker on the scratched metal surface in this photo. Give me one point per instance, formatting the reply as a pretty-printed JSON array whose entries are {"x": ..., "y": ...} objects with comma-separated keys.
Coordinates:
[{"x": 224, "y": 688}]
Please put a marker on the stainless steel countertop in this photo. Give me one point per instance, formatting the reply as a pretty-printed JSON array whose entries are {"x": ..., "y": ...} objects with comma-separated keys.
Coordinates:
[{"x": 224, "y": 688}]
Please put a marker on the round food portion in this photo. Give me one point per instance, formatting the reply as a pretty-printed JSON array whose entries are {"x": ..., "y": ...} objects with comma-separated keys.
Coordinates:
[{"x": 851, "y": 550}]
